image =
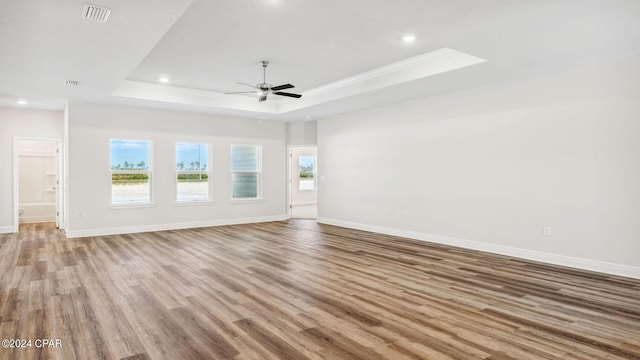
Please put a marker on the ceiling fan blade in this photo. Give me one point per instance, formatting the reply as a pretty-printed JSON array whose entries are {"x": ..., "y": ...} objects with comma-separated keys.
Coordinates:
[
  {"x": 253, "y": 86},
  {"x": 297, "y": 96},
  {"x": 240, "y": 92},
  {"x": 282, "y": 87},
  {"x": 263, "y": 97}
]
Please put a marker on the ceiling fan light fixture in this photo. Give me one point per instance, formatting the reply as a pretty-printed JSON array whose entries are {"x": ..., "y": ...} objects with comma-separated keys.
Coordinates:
[{"x": 264, "y": 89}]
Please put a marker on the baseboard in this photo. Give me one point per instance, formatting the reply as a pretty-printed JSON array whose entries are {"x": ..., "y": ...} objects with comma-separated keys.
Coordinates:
[
  {"x": 550, "y": 258},
  {"x": 171, "y": 226},
  {"x": 7, "y": 229}
]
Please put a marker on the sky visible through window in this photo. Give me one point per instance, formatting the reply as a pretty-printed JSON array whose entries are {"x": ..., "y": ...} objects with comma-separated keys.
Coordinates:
[
  {"x": 192, "y": 157},
  {"x": 130, "y": 154},
  {"x": 307, "y": 161}
]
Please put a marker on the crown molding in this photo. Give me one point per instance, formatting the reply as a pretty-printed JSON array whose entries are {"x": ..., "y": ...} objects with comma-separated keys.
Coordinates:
[{"x": 414, "y": 68}]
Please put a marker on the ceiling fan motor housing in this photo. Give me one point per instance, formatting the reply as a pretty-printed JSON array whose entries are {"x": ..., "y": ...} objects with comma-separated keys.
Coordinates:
[{"x": 265, "y": 89}]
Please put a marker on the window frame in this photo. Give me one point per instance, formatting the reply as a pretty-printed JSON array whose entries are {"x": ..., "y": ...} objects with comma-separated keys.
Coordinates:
[
  {"x": 258, "y": 173},
  {"x": 208, "y": 172},
  {"x": 148, "y": 172}
]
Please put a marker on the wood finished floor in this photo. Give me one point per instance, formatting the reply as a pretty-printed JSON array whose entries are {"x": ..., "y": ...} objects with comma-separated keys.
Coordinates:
[{"x": 299, "y": 290}]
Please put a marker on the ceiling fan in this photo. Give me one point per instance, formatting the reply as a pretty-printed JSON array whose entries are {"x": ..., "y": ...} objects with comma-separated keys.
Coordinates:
[{"x": 263, "y": 89}]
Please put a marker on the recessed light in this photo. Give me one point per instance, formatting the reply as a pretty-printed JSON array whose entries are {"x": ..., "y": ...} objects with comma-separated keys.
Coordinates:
[
  {"x": 163, "y": 79},
  {"x": 409, "y": 38},
  {"x": 22, "y": 102}
]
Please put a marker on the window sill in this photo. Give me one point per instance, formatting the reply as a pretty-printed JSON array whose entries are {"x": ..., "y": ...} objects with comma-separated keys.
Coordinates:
[
  {"x": 131, "y": 206},
  {"x": 247, "y": 200},
  {"x": 193, "y": 203}
]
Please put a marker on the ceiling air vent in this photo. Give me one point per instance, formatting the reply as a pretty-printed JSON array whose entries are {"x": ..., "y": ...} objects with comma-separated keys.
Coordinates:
[
  {"x": 96, "y": 13},
  {"x": 71, "y": 82}
]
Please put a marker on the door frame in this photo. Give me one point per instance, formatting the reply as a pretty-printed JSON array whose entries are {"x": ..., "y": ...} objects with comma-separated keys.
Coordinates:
[
  {"x": 60, "y": 220},
  {"x": 289, "y": 179}
]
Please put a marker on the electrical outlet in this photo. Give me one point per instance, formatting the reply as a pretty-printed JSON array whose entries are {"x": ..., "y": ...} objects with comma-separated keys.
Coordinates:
[
  {"x": 546, "y": 230},
  {"x": 78, "y": 214}
]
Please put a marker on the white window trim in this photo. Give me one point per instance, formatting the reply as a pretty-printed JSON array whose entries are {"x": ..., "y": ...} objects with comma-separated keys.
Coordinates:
[
  {"x": 149, "y": 203},
  {"x": 258, "y": 172}
]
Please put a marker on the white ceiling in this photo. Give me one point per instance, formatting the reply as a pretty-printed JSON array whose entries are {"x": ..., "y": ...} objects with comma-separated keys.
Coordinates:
[{"x": 351, "y": 47}]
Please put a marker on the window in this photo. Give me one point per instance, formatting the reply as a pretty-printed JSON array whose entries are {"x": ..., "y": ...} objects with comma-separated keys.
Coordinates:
[
  {"x": 192, "y": 172},
  {"x": 130, "y": 171},
  {"x": 307, "y": 172},
  {"x": 245, "y": 171}
]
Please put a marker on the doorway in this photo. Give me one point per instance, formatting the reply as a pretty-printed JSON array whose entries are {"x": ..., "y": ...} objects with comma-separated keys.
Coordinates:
[
  {"x": 303, "y": 182},
  {"x": 37, "y": 181}
]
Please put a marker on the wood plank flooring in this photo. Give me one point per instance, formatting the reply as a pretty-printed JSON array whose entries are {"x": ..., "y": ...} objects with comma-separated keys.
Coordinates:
[{"x": 299, "y": 290}]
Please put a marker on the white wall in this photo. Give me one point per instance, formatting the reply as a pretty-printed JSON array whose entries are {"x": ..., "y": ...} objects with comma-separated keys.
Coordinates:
[
  {"x": 37, "y": 167},
  {"x": 35, "y": 147},
  {"x": 37, "y": 177},
  {"x": 302, "y": 133},
  {"x": 16, "y": 122},
  {"x": 90, "y": 126},
  {"x": 489, "y": 168}
]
